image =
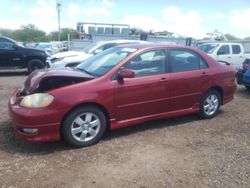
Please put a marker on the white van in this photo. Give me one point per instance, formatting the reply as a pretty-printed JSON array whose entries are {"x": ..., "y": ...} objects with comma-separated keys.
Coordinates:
[{"x": 232, "y": 53}]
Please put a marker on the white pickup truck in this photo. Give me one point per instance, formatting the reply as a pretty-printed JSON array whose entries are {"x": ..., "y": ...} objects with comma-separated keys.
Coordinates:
[{"x": 232, "y": 53}]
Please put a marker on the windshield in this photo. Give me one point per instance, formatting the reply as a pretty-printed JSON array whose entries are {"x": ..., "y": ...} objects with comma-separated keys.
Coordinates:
[
  {"x": 208, "y": 48},
  {"x": 101, "y": 63},
  {"x": 91, "y": 48},
  {"x": 43, "y": 46}
]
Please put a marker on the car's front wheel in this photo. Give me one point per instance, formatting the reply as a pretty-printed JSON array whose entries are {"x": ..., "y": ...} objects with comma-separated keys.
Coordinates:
[
  {"x": 210, "y": 104},
  {"x": 84, "y": 126}
]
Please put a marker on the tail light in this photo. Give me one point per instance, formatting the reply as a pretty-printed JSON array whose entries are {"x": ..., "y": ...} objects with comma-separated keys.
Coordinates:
[{"x": 245, "y": 66}]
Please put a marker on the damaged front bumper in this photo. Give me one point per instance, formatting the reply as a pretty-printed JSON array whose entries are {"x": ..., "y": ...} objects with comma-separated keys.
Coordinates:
[{"x": 36, "y": 125}]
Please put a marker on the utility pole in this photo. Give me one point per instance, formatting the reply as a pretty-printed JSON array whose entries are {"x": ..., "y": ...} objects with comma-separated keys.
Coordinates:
[{"x": 58, "y": 7}]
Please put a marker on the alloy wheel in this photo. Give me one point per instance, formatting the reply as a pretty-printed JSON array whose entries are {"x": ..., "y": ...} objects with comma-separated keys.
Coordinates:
[
  {"x": 211, "y": 104},
  {"x": 85, "y": 127}
]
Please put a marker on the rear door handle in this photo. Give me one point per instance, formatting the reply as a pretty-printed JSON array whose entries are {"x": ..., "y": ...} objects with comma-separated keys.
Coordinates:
[{"x": 204, "y": 74}]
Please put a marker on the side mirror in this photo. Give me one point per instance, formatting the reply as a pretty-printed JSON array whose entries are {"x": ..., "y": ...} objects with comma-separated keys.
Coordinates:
[
  {"x": 126, "y": 73},
  {"x": 97, "y": 51},
  {"x": 15, "y": 46}
]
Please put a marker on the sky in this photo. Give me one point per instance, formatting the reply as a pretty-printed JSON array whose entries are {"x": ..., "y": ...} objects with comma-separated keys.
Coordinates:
[{"x": 190, "y": 18}]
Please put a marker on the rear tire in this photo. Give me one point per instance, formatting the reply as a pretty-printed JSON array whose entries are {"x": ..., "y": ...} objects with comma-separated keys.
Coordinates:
[
  {"x": 84, "y": 126},
  {"x": 210, "y": 104},
  {"x": 35, "y": 64}
]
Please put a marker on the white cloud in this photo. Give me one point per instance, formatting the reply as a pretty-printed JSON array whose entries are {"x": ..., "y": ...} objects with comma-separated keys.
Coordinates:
[
  {"x": 16, "y": 8},
  {"x": 144, "y": 22},
  {"x": 10, "y": 24},
  {"x": 173, "y": 20},
  {"x": 184, "y": 23},
  {"x": 96, "y": 11},
  {"x": 44, "y": 15},
  {"x": 108, "y": 3},
  {"x": 240, "y": 19},
  {"x": 216, "y": 16},
  {"x": 73, "y": 10}
]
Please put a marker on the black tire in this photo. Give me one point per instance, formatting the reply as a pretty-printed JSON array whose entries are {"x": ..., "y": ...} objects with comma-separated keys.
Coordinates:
[
  {"x": 214, "y": 106},
  {"x": 74, "y": 139},
  {"x": 35, "y": 64},
  {"x": 248, "y": 87}
]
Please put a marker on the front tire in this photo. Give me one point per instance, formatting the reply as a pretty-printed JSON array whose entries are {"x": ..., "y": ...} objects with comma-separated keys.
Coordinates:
[
  {"x": 84, "y": 126},
  {"x": 210, "y": 104},
  {"x": 35, "y": 64}
]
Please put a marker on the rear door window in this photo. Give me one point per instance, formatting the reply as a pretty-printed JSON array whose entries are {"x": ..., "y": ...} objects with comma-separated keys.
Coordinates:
[
  {"x": 236, "y": 49},
  {"x": 184, "y": 60}
]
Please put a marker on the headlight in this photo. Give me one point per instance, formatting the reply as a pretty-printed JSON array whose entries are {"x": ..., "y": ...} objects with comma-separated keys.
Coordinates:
[
  {"x": 37, "y": 100},
  {"x": 55, "y": 60}
]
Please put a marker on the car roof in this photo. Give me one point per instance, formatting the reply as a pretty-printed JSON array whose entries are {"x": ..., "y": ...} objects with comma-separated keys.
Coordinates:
[{"x": 152, "y": 45}]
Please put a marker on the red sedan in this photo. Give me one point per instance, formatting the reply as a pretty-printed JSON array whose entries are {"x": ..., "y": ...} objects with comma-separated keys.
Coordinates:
[{"x": 119, "y": 87}]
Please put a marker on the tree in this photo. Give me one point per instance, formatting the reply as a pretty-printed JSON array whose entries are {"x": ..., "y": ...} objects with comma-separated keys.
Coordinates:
[
  {"x": 6, "y": 32},
  {"x": 231, "y": 37},
  {"x": 29, "y": 33},
  {"x": 53, "y": 36},
  {"x": 247, "y": 38}
]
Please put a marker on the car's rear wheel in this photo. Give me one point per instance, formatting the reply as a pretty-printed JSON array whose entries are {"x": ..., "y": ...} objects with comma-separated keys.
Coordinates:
[
  {"x": 84, "y": 126},
  {"x": 35, "y": 64},
  {"x": 210, "y": 104}
]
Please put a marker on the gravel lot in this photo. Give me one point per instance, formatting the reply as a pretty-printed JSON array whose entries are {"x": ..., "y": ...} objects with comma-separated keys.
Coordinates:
[{"x": 178, "y": 152}]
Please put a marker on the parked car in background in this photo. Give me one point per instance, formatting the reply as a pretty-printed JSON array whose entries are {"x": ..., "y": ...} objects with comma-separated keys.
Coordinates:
[
  {"x": 73, "y": 58},
  {"x": 232, "y": 53},
  {"x": 58, "y": 45},
  {"x": 13, "y": 55},
  {"x": 48, "y": 47},
  {"x": 119, "y": 87},
  {"x": 65, "y": 45},
  {"x": 243, "y": 75}
]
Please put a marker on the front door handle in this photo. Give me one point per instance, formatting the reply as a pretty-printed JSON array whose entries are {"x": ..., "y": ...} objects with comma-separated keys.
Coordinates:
[{"x": 204, "y": 74}]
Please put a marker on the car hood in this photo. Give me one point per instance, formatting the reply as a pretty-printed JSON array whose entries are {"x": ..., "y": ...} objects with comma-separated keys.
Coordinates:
[
  {"x": 67, "y": 54},
  {"x": 32, "y": 49},
  {"x": 71, "y": 60},
  {"x": 59, "y": 77},
  {"x": 79, "y": 58}
]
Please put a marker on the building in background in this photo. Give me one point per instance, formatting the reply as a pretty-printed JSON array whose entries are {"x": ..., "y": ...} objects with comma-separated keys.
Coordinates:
[{"x": 87, "y": 29}]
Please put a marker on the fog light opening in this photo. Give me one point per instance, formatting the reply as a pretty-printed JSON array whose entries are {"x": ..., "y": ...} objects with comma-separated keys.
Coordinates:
[{"x": 30, "y": 130}]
